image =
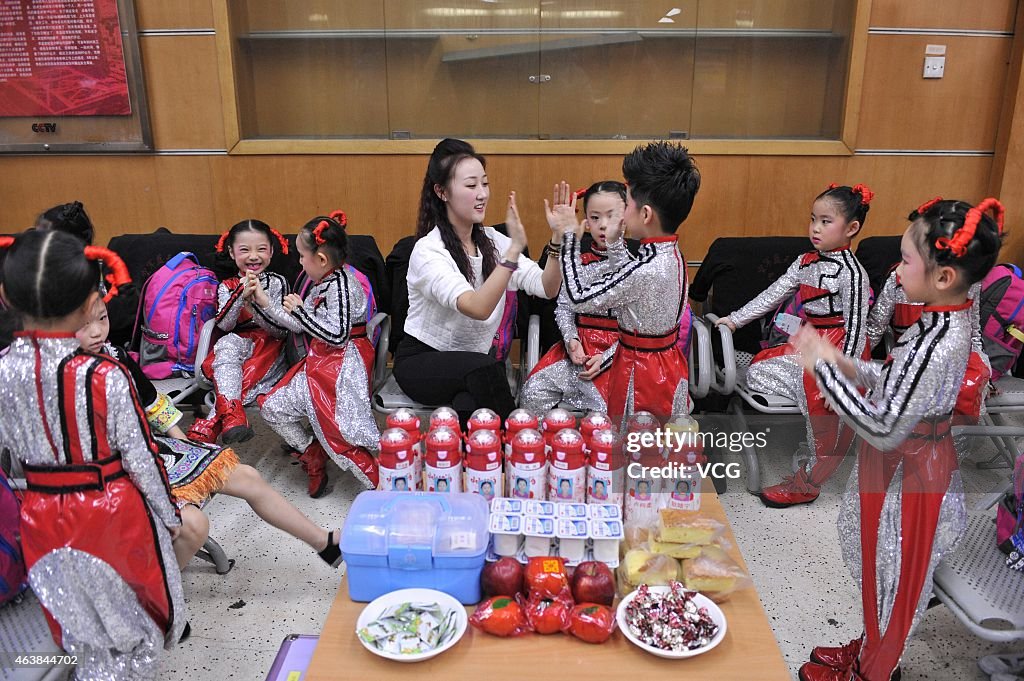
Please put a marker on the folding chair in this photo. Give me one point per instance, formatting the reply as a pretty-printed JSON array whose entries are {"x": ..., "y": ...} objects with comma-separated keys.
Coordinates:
[
  {"x": 23, "y": 628},
  {"x": 730, "y": 378},
  {"x": 179, "y": 388},
  {"x": 1008, "y": 399},
  {"x": 974, "y": 582}
]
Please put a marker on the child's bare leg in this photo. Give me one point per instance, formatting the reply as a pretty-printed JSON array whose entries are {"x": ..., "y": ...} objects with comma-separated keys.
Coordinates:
[
  {"x": 246, "y": 483},
  {"x": 195, "y": 528}
]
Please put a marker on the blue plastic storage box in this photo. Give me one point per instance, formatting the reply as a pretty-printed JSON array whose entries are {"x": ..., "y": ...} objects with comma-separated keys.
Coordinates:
[{"x": 400, "y": 540}]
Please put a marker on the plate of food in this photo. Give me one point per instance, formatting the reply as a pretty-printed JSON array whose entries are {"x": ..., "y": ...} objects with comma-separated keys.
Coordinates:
[
  {"x": 410, "y": 625},
  {"x": 671, "y": 621}
]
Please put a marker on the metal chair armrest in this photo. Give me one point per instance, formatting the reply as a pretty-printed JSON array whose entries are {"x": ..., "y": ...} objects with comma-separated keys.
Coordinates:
[
  {"x": 726, "y": 382},
  {"x": 380, "y": 358},
  {"x": 532, "y": 345},
  {"x": 700, "y": 349},
  {"x": 202, "y": 350}
]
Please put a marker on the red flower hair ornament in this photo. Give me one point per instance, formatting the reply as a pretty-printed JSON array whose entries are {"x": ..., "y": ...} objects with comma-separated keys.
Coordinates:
[
  {"x": 961, "y": 239},
  {"x": 318, "y": 232},
  {"x": 118, "y": 270},
  {"x": 276, "y": 234},
  {"x": 927, "y": 205},
  {"x": 866, "y": 195}
]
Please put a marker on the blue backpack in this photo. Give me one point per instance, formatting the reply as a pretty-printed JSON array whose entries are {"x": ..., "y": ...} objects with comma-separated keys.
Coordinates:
[{"x": 12, "y": 563}]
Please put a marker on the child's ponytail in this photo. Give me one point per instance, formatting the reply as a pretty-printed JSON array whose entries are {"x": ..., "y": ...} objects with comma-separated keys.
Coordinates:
[
  {"x": 955, "y": 233},
  {"x": 227, "y": 239},
  {"x": 326, "y": 234},
  {"x": 853, "y": 202},
  {"x": 49, "y": 274}
]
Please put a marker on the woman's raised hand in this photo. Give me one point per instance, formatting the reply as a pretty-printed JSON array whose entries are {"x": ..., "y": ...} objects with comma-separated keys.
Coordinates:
[
  {"x": 514, "y": 225},
  {"x": 561, "y": 211}
]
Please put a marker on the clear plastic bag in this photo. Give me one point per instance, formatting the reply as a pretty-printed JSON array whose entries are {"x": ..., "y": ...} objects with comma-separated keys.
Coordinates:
[
  {"x": 500, "y": 616},
  {"x": 640, "y": 566},
  {"x": 714, "y": 573}
]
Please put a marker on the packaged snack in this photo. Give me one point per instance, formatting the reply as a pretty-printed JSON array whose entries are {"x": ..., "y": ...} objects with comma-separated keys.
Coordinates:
[
  {"x": 546, "y": 576},
  {"x": 500, "y": 616},
  {"x": 714, "y": 573},
  {"x": 548, "y": 615},
  {"x": 674, "y": 550},
  {"x": 637, "y": 537},
  {"x": 669, "y": 621},
  {"x": 410, "y": 628},
  {"x": 576, "y": 511},
  {"x": 503, "y": 505},
  {"x": 507, "y": 531},
  {"x": 591, "y": 622},
  {"x": 644, "y": 567},
  {"x": 572, "y": 538},
  {"x": 686, "y": 527},
  {"x": 606, "y": 536},
  {"x": 604, "y": 511},
  {"x": 540, "y": 508},
  {"x": 539, "y": 532}
]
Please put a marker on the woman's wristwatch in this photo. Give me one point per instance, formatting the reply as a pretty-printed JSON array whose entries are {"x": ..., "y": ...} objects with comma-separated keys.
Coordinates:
[{"x": 512, "y": 265}]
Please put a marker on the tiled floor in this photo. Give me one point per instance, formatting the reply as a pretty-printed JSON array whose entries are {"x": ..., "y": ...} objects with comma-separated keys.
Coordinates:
[{"x": 279, "y": 586}]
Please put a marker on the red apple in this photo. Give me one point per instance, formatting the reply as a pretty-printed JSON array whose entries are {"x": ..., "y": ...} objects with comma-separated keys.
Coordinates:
[
  {"x": 502, "y": 578},
  {"x": 593, "y": 582}
]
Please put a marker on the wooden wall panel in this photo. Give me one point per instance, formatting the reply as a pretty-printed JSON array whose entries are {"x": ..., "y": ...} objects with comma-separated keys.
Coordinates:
[
  {"x": 183, "y": 88},
  {"x": 164, "y": 14},
  {"x": 740, "y": 195},
  {"x": 990, "y": 15},
  {"x": 121, "y": 193},
  {"x": 1007, "y": 182},
  {"x": 902, "y": 110}
]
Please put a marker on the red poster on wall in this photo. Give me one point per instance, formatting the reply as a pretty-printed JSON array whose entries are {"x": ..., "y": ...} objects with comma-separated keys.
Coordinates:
[{"x": 62, "y": 58}]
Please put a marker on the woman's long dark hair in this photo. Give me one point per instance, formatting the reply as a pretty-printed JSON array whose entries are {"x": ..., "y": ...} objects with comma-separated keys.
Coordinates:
[{"x": 434, "y": 212}]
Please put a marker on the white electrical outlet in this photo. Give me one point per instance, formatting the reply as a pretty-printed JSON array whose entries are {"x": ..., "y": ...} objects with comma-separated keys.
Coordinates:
[{"x": 934, "y": 67}]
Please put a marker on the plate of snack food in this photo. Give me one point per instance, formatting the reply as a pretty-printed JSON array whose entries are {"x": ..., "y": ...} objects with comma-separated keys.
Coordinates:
[
  {"x": 410, "y": 625},
  {"x": 671, "y": 621}
]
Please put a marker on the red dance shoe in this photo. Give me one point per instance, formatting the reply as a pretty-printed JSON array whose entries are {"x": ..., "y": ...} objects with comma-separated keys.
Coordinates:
[
  {"x": 233, "y": 421},
  {"x": 812, "y": 671},
  {"x": 313, "y": 462},
  {"x": 796, "y": 489},
  {"x": 204, "y": 430},
  {"x": 365, "y": 462},
  {"x": 837, "y": 657}
]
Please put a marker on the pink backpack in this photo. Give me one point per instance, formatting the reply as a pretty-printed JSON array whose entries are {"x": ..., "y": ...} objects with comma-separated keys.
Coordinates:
[
  {"x": 173, "y": 306},
  {"x": 12, "y": 563},
  {"x": 1002, "y": 317}
]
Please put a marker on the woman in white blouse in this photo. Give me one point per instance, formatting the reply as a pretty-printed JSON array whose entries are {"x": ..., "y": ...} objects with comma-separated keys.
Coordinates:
[{"x": 459, "y": 271}]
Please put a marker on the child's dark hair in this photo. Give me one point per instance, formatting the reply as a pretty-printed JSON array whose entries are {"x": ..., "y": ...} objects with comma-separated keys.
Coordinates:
[
  {"x": 663, "y": 175},
  {"x": 327, "y": 235},
  {"x": 49, "y": 274},
  {"x": 227, "y": 239},
  {"x": 602, "y": 187},
  {"x": 433, "y": 211},
  {"x": 70, "y": 218},
  {"x": 957, "y": 234},
  {"x": 853, "y": 202}
]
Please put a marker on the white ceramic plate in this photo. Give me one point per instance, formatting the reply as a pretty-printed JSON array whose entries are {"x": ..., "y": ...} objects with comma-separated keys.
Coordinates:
[
  {"x": 374, "y": 609},
  {"x": 702, "y": 601}
]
